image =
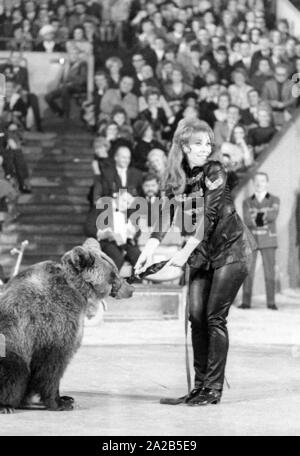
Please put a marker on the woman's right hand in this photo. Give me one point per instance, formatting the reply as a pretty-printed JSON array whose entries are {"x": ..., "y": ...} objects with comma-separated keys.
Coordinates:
[{"x": 145, "y": 258}]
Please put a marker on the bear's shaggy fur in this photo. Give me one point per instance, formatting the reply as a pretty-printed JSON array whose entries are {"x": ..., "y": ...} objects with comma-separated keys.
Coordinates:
[{"x": 42, "y": 313}]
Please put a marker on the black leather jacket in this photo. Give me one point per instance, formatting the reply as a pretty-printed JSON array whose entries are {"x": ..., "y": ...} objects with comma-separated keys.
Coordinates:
[{"x": 226, "y": 239}]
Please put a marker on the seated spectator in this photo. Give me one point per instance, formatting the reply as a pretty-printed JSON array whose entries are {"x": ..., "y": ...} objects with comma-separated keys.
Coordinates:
[
  {"x": 91, "y": 109},
  {"x": 157, "y": 163},
  {"x": 16, "y": 71},
  {"x": 238, "y": 91},
  {"x": 263, "y": 74},
  {"x": 223, "y": 130},
  {"x": 144, "y": 88},
  {"x": 73, "y": 82},
  {"x": 245, "y": 61},
  {"x": 155, "y": 114},
  {"x": 249, "y": 115},
  {"x": 260, "y": 136},
  {"x": 8, "y": 196},
  {"x": 200, "y": 79},
  {"x": 120, "y": 175},
  {"x": 122, "y": 96},
  {"x": 14, "y": 163},
  {"x": 209, "y": 97},
  {"x": 278, "y": 93},
  {"x": 110, "y": 131},
  {"x": 148, "y": 76},
  {"x": 21, "y": 40},
  {"x": 222, "y": 110},
  {"x": 100, "y": 160},
  {"x": 222, "y": 65},
  {"x": 114, "y": 66},
  {"x": 175, "y": 90},
  {"x": 101, "y": 147},
  {"x": 79, "y": 41},
  {"x": 189, "y": 59},
  {"x": 240, "y": 152},
  {"x": 164, "y": 72},
  {"x": 15, "y": 109},
  {"x": 47, "y": 43},
  {"x": 118, "y": 240},
  {"x": 264, "y": 52},
  {"x": 190, "y": 108},
  {"x": 254, "y": 34},
  {"x": 138, "y": 62},
  {"x": 119, "y": 116},
  {"x": 145, "y": 142},
  {"x": 78, "y": 14}
]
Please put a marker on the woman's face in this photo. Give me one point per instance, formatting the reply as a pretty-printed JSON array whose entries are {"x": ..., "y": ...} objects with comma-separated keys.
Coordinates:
[
  {"x": 112, "y": 132},
  {"x": 200, "y": 148},
  {"x": 78, "y": 34},
  {"x": 238, "y": 134},
  {"x": 176, "y": 76},
  {"x": 239, "y": 79},
  {"x": 190, "y": 113},
  {"x": 119, "y": 118},
  {"x": 205, "y": 66},
  {"x": 148, "y": 135},
  {"x": 263, "y": 118},
  {"x": 223, "y": 102},
  {"x": 156, "y": 161}
]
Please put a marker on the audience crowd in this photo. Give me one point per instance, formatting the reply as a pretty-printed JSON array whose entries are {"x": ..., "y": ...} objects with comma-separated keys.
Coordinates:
[{"x": 229, "y": 63}]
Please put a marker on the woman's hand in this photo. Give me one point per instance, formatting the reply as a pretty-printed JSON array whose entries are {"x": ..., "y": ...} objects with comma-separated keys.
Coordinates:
[
  {"x": 145, "y": 258},
  {"x": 179, "y": 259}
]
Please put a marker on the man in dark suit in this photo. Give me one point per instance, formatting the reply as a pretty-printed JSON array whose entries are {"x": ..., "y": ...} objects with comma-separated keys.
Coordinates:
[
  {"x": 260, "y": 214},
  {"x": 118, "y": 239},
  {"x": 17, "y": 73},
  {"x": 73, "y": 81},
  {"x": 119, "y": 175},
  {"x": 278, "y": 92}
]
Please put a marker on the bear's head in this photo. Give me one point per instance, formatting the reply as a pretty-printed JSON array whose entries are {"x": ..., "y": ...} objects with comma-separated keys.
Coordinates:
[{"x": 91, "y": 269}]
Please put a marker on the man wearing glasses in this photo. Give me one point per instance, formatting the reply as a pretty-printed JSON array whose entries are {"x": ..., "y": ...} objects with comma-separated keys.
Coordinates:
[{"x": 278, "y": 92}]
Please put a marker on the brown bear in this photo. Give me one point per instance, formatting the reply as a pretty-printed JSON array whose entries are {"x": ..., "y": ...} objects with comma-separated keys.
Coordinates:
[{"x": 42, "y": 313}]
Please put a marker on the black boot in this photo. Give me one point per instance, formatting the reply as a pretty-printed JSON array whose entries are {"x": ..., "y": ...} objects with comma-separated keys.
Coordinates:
[
  {"x": 205, "y": 397},
  {"x": 183, "y": 399}
]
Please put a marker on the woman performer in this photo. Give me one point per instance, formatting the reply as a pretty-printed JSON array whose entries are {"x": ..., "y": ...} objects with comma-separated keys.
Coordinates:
[{"x": 219, "y": 263}]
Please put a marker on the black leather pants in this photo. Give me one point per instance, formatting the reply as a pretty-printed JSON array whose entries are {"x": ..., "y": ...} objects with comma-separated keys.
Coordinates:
[{"x": 211, "y": 295}]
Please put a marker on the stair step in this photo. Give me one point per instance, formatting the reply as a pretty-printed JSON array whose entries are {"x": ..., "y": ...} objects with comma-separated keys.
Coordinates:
[
  {"x": 57, "y": 160},
  {"x": 50, "y": 208},
  {"x": 8, "y": 261},
  {"x": 62, "y": 228},
  {"x": 15, "y": 239},
  {"x": 33, "y": 250},
  {"x": 63, "y": 190},
  {"x": 61, "y": 172},
  {"x": 57, "y": 182},
  {"x": 51, "y": 219},
  {"x": 53, "y": 198}
]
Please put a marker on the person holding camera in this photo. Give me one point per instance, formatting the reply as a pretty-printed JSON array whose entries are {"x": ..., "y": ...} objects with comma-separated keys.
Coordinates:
[{"x": 260, "y": 213}]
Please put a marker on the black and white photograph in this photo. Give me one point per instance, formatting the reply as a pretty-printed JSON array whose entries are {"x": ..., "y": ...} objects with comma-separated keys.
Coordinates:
[{"x": 149, "y": 221}]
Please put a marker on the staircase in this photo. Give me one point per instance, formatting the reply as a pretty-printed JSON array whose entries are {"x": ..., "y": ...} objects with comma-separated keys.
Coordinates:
[{"x": 52, "y": 217}]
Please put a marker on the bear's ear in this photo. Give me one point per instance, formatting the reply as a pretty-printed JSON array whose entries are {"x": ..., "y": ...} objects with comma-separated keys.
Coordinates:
[{"x": 81, "y": 259}]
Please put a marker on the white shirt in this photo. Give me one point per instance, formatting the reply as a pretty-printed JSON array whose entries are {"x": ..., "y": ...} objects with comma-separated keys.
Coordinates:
[
  {"x": 260, "y": 196},
  {"x": 49, "y": 45},
  {"x": 122, "y": 172}
]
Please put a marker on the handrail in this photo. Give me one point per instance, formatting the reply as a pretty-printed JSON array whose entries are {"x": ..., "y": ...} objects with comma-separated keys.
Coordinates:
[{"x": 266, "y": 152}]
